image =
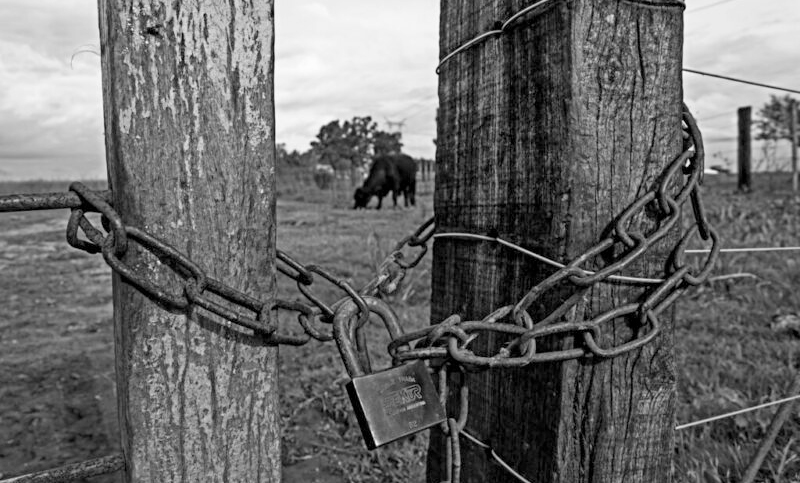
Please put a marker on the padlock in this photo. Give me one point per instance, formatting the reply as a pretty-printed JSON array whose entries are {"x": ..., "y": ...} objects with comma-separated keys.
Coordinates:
[{"x": 392, "y": 403}]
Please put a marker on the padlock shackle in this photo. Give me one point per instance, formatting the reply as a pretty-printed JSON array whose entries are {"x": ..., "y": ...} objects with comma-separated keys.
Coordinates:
[{"x": 344, "y": 330}]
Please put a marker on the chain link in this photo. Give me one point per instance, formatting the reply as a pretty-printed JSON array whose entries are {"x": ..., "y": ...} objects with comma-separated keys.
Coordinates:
[
  {"x": 231, "y": 304},
  {"x": 113, "y": 240}
]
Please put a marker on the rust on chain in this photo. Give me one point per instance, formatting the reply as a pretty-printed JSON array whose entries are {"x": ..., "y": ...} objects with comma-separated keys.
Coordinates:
[
  {"x": 454, "y": 425},
  {"x": 118, "y": 241},
  {"x": 74, "y": 471},
  {"x": 306, "y": 316},
  {"x": 194, "y": 284},
  {"x": 78, "y": 222},
  {"x": 170, "y": 257},
  {"x": 300, "y": 275},
  {"x": 421, "y": 236}
]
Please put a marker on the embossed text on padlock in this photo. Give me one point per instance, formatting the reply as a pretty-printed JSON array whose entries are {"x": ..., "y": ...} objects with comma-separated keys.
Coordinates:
[{"x": 392, "y": 403}]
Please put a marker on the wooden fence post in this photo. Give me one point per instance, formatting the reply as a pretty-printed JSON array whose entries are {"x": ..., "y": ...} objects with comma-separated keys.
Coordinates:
[
  {"x": 546, "y": 133},
  {"x": 189, "y": 122},
  {"x": 793, "y": 136},
  {"x": 745, "y": 151}
]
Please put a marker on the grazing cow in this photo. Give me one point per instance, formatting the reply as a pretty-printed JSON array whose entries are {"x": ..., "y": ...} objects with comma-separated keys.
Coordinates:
[{"x": 396, "y": 173}]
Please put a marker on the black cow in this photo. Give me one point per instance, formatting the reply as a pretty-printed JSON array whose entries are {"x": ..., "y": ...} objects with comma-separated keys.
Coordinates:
[{"x": 396, "y": 173}]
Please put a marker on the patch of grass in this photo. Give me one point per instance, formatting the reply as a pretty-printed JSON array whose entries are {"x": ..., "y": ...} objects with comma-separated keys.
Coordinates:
[{"x": 728, "y": 357}]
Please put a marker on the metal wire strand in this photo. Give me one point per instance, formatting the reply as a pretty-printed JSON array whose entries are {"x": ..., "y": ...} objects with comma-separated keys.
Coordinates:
[
  {"x": 542, "y": 258},
  {"x": 736, "y": 413},
  {"x": 745, "y": 250},
  {"x": 495, "y": 456},
  {"x": 490, "y": 33},
  {"x": 504, "y": 25}
]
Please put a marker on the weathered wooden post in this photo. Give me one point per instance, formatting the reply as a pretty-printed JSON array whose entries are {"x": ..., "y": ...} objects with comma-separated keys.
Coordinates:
[
  {"x": 546, "y": 133},
  {"x": 745, "y": 151},
  {"x": 189, "y": 121}
]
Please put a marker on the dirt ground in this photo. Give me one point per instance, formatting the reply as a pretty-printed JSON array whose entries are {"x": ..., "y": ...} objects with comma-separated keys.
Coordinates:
[
  {"x": 57, "y": 389},
  {"x": 57, "y": 400}
]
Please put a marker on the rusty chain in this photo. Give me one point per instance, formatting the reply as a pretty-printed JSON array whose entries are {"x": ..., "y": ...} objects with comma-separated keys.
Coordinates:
[
  {"x": 450, "y": 339},
  {"x": 114, "y": 239},
  {"x": 446, "y": 343}
]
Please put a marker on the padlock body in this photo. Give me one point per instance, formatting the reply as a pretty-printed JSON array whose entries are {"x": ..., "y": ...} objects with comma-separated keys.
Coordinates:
[{"x": 395, "y": 403}]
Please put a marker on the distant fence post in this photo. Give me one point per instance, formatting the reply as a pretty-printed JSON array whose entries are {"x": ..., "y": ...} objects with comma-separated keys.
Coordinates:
[
  {"x": 546, "y": 133},
  {"x": 793, "y": 136},
  {"x": 745, "y": 151},
  {"x": 189, "y": 122}
]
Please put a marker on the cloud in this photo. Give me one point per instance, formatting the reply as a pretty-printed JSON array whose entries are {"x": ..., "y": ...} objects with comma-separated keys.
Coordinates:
[
  {"x": 336, "y": 61},
  {"x": 361, "y": 58},
  {"x": 50, "y": 115},
  {"x": 52, "y": 27},
  {"x": 316, "y": 8},
  {"x": 51, "y": 123}
]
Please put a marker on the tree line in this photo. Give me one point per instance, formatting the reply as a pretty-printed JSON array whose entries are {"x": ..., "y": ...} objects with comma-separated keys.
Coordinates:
[
  {"x": 344, "y": 146},
  {"x": 350, "y": 145},
  {"x": 773, "y": 122}
]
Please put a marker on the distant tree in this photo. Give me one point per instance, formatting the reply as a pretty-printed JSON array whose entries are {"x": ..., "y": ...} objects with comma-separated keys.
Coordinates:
[
  {"x": 773, "y": 125},
  {"x": 360, "y": 133},
  {"x": 291, "y": 159},
  {"x": 387, "y": 143},
  {"x": 333, "y": 147},
  {"x": 351, "y": 145},
  {"x": 772, "y": 122}
]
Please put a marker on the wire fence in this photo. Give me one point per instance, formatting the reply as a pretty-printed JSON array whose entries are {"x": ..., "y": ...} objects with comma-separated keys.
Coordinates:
[
  {"x": 392, "y": 271},
  {"x": 446, "y": 341}
]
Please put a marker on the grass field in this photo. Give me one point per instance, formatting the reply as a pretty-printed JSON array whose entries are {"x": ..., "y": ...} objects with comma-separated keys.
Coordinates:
[{"x": 57, "y": 401}]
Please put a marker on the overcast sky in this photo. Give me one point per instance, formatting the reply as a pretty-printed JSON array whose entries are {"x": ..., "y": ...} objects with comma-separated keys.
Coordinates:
[{"x": 335, "y": 59}]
